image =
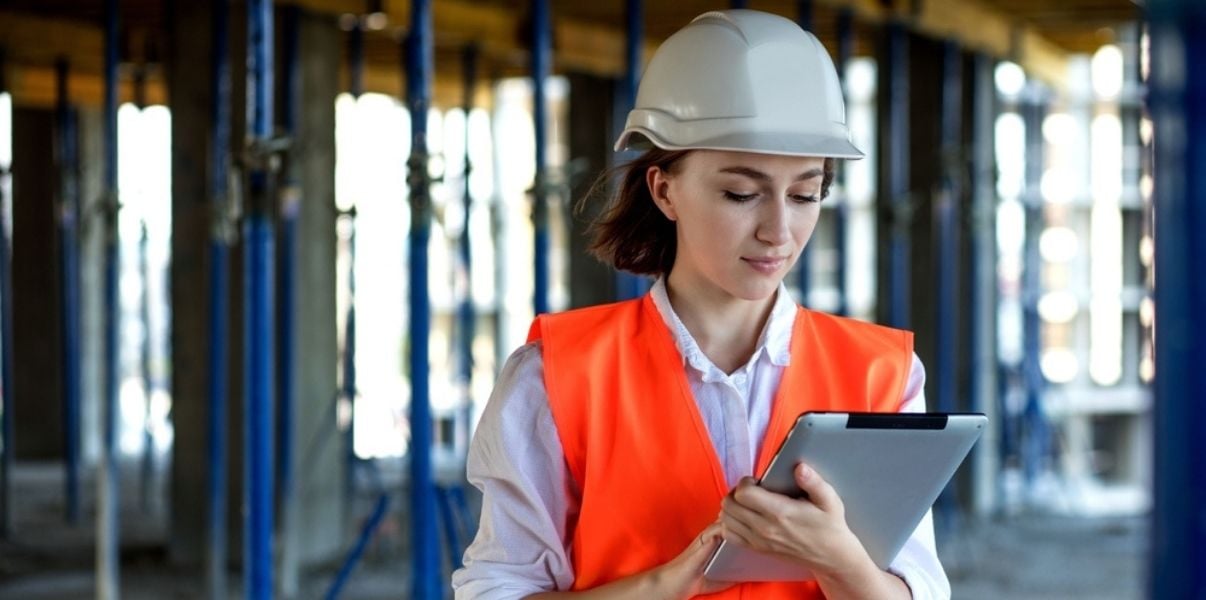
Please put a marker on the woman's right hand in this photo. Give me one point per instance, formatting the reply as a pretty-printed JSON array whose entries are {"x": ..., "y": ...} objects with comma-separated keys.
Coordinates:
[
  {"x": 683, "y": 576},
  {"x": 679, "y": 579}
]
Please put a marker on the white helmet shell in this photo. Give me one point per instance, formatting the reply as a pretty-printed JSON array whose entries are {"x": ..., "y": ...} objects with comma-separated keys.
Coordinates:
[{"x": 741, "y": 80}]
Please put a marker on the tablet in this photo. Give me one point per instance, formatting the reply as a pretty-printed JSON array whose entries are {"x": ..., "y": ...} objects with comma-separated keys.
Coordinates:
[{"x": 888, "y": 469}]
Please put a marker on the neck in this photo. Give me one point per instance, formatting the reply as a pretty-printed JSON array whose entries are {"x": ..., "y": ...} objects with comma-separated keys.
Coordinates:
[{"x": 726, "y": 328}]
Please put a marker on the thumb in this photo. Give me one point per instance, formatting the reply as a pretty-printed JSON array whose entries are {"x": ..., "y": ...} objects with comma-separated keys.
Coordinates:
[{"x": 817, "y": 490}]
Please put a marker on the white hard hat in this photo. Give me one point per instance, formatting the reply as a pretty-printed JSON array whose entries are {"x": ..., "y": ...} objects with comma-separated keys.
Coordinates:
[{"x": 741, "y": 80}]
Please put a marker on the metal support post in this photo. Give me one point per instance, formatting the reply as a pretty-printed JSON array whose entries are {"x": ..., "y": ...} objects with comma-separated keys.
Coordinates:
[
  {"x": 147, "y": 470},
  {"x": 420, "y": 63},
  {"x": 221, "y": 234},
  {"x": 108, "y": 522},
  {"x": 69, "y": 214},
  {"x": 356, "y": 80},
  {"x": 466, "y": 314},
  {"x": 947, "y": 221},
  {"x": 7, "y": 425},
  {"x": 258, "y": 309},
  {"x": 629, "y": 285},
  {"x": 542, "y": 43},
  {"x": 286, "y": 363},
  {"x": 804, "y": 14},
  {"x": 1178, "y": 107},
  {"x": 897, "y": 193},
  {"x": 1034, "y": 447},
  {"x": 982, "y": 272},
  {"x": 841, "y": 212},
  {"x": 804, "y": 262}
]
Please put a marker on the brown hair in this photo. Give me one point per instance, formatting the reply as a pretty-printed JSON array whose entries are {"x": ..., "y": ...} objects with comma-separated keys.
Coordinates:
[{"x": 631, "y": 233}]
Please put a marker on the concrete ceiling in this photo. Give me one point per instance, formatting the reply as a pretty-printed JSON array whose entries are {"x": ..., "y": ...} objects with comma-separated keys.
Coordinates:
[{"x": 588, "y": 36}]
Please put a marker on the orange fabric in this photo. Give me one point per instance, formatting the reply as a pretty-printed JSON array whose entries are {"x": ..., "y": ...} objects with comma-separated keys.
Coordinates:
[{"x": 637, "y": 445}]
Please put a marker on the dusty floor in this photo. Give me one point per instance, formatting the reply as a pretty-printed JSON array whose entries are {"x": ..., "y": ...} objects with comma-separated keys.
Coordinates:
[{"x": 1026, "y": 556}]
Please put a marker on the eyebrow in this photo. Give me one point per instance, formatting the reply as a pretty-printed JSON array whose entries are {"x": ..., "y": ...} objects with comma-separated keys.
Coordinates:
[{"x": 757, "y": 175}]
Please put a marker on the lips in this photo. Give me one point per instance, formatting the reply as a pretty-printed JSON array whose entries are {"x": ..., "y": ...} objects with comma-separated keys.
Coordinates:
[{"x": 767, "y": 264}]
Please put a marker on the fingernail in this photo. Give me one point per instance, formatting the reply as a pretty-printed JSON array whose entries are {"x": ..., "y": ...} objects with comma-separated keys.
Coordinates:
[{"x": 804, "y": 470}]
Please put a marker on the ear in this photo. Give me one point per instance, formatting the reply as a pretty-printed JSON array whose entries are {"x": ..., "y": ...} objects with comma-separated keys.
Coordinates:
[{"x": 659, "y": 189}]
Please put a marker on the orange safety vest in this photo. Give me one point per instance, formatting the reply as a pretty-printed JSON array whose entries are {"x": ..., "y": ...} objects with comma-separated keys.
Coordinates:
[{"x": 638, "y": 448}]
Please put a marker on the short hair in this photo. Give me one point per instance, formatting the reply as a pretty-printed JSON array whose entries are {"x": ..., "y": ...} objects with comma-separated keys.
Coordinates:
[{"x": 631, "y": 233}]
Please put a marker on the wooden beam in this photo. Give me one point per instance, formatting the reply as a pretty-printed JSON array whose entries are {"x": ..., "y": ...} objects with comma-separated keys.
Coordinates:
[
  {"x": 976, "y": 27},
  {"x": 35, "y": 86}
]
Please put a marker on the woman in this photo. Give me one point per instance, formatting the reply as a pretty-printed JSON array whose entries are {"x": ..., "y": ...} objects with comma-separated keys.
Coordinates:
[{"x": 617, "y": 448}]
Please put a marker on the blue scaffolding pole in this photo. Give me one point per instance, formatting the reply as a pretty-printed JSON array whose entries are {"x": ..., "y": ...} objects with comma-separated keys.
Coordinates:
[
  {"x": 69, "y": 214},
  {"x": 420, "y": 63},
  {"x": 356, "y": 87},
  {"x": 1034, "y": 448},
  {"x": 1178, "y": 107},
  {"x": 981, "y": 338},
  {"x": 258, "y": 311},
  {"x": 286, "y": 364},
  {"x": 466, "y": 315},
  {"x": 220, "y": 236},
  {"x": 946, "y": 244},
  {"x": 542, "y": 51},
  {"x": 7, "y": 440},
  {"x": 841, "y": 212},
  {"x": 629, "y": 285},
  {"x": 108, "y": 522},
  {"x": 895, "y": 60}
]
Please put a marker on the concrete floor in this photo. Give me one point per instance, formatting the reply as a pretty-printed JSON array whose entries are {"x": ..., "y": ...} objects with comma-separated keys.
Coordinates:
[{"x": 1026, "y": 556}]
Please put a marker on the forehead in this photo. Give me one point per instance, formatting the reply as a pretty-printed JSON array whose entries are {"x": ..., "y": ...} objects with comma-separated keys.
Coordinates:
[{"x": 771, "y": 164}]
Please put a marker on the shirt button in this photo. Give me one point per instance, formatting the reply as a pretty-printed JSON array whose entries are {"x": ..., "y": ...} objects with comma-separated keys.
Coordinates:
[{"x": 739, "y": 379}]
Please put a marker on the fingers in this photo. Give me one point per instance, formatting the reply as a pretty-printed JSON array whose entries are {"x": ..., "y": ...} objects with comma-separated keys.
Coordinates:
[{"x": 819, "y": 491}]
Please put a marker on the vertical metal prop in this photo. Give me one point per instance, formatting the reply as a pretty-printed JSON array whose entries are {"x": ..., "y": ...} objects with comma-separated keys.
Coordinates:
[
  {"x": 466, "y": 315},
  {"x": 220, "y": 236},
  {"x": 804, "y": 262},
  {"x": 542, "y": 33},
  {"x": 804, "y": 14},
  {"x": 899, "y": 274},
  {"x": 947, "y": 222},
  {"x": 629, "y": 285},
  {"x": 258, "y": 310},
  {"x": 108, "y": 555},
  {"x": 147, "y": 469},
  {"x": 69, "y": 214},
  {"x": 841, "y": 212},
  {"x": 420, "y": 62},
  {"x": 286, "y": 342},
  {"x": 356, "y": 80},
  {"x": 7, "y": 425},
  {"x": 1178, "y": 107},
  {"x": 982, "y": 272},
  {"x": 1035, "y": 436}
]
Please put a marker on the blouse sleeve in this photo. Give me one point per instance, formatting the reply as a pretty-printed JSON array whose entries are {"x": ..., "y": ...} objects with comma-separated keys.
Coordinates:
[{"x": 528, "y": 496}]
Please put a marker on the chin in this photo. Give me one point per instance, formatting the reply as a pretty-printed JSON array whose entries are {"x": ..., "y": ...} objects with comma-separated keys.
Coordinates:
[{"x": 757, "y": 291}]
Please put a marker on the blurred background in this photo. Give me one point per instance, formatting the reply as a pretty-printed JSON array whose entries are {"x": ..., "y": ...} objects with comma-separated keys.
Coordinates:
[{"x": 262, "y": 262}]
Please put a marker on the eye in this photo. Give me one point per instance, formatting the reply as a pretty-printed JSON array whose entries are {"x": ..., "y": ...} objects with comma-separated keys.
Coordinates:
[
  {"x": 735, "y": 197},
  {"x": 806, "y": 199}
]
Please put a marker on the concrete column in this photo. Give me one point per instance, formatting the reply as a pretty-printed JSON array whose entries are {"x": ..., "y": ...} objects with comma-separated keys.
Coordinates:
[
  {"x": 38, "y": 392},
  {"x": 317, "y": 446}
]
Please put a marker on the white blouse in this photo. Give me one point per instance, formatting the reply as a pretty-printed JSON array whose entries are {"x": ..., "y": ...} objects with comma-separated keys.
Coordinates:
[{"x": 529, "y": 497}]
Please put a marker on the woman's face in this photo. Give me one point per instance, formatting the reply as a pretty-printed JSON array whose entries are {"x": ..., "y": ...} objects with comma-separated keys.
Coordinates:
[{"x": 741, "y": 219}]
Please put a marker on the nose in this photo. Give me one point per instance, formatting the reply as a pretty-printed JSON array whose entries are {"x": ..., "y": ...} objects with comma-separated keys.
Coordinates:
[{"x": 773, "y": 222}]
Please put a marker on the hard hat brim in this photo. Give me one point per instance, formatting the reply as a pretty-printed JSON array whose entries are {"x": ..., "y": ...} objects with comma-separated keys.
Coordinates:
[{"x": 777, "y": 143}]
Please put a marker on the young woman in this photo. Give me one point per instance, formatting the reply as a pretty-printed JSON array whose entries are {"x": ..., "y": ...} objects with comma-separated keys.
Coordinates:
[{"x": 617, "y": 448}]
